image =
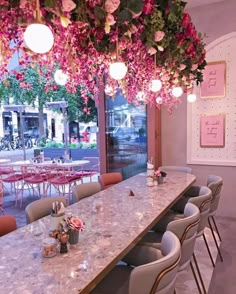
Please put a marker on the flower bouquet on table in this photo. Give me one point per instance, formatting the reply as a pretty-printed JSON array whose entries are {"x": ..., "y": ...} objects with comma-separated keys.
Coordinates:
[
  {"x": 159, "y": 175},
  {"x": 72, "y": 225},
  {"x": 68, "y": 231}
]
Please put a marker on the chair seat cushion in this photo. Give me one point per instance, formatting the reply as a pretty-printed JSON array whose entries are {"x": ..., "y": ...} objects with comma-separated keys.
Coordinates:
[
  {"x": 163, "y": 222},
  {"x": 116, "y": 282}
]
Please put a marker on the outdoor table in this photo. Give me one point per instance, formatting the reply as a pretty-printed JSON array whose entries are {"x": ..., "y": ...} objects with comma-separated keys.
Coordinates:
[{"x": 112, "y": 229}]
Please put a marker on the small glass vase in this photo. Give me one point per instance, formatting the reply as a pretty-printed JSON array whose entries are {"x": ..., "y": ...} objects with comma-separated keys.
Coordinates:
[
  {"x": 160, "y": 180},
  {"x": 73, "y": 237}
]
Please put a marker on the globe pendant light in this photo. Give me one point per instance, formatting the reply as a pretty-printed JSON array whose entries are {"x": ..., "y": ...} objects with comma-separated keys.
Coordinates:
[
  {"x": 37, "y": 36},
  {"x": 60, "y": 77},
  {"x": 155, "y": 84},
  {"x": 191, "y": 98},
  {"x": 177, "y": 92},
  {"x": 118, "y": 69}
]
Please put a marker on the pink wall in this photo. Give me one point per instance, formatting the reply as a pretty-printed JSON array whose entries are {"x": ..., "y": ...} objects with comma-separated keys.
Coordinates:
[{"x": 215, "y": 20}]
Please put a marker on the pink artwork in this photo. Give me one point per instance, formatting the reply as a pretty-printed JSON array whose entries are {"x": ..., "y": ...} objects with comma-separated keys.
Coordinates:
[
  {"x": 212, "y": 130},
  {"x": 213, "y": 85}
]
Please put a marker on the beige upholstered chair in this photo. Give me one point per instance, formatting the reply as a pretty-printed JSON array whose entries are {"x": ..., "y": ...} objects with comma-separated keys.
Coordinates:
[
  {"x": 185, "y": 229},
  {"x": 154, "y": 271},
  {"x": 215, "y": 183},
  {"x": 40, "y": 208},
  {"x": 109, "y": 179},
  {"x": 85, "y": 190},
  {"x": 183, "y": 169},
  {"x": 7, "y": 224}
]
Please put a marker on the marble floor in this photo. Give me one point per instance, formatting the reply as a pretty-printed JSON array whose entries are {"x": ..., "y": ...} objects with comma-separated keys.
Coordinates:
[{"x": 220, "y": 280}]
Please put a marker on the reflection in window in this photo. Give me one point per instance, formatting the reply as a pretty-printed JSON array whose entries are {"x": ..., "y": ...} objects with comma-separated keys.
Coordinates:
[{"x": 126, "y": 137}]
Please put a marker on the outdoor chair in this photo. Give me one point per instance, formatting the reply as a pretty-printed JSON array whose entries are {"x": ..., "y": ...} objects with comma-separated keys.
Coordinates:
[{"x": 154, "y": 270}]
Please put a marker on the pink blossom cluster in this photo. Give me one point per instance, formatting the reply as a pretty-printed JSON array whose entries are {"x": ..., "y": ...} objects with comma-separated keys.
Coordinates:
[
  {"x": 74, "y": 223},
  {"x": 85, "y": 46}
]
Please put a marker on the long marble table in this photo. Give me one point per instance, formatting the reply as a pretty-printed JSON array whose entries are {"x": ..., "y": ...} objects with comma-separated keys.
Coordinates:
[{"x": 114, "y": 223}]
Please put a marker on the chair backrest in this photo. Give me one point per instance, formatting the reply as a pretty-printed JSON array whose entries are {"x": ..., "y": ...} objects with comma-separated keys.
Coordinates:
[
  {"x": 203, "y": 201},
  {"x": 183, "y": 169},
  {"x": 40, "y": 208},
  {"x": 7, "y": 224},
  {"x": 186, "y": 230},
  {"x": 109, "y": 179},
  {"x": 215, "y": 183},
  {"x": 159, "y": 275},
  {"x": 85, "y": 190}
]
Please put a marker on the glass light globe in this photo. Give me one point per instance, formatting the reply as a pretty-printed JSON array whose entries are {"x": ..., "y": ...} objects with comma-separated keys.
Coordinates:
[
  {"x": 141, "y": 96},
  {"x": 60, "y": 77},
  {"x": 156, "y": 85},
  {"x": 118, "y": 70},
  {"x": 39, "y": 38},
  {"x": 191, "y": 98},
  {"x": 177, "y": 92},
  {"x": 159, "y": 100}
]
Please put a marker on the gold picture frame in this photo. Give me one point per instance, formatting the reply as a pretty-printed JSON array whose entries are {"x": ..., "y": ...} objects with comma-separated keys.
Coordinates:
[
  {"x": 214, "y": 80},
  {"x": 212, "y": 130}
]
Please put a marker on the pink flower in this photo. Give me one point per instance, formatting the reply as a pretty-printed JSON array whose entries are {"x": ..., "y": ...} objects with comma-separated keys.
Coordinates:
[
  {"x": 159, "y": 35},
  {"x": 68, "y": 5},
  {"x": 75, "y": 223},
  {"x": 152, "y": 50},
  {"x": 111, "y": 5},
  {"x": 110, "y": 19},
  {"x": 194, "y": 67},
  {"x": 148, "y": 7},
  {"x": 160, "y": 48},
  {"x": 182, "y": 66},
  {"x": 186, "y": 19}
]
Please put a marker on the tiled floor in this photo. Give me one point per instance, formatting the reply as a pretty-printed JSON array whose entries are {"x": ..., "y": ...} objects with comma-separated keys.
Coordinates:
[{"x": 220, "y": 281}]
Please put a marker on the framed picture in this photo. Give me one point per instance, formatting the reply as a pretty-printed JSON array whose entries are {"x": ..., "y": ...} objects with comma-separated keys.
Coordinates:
[
  {"x": 212, "y": 131},
  {"x": 214, "y": 79}
]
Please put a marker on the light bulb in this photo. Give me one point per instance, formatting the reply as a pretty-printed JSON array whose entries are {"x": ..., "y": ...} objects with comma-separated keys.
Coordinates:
[
  {"x": 177, "y": 92},
  {"x": 39, "y": 38},
  {"x": 156, "y": 85},
  {"x": 159, "y": 100},
  {"x": 141, "y": 96},
  {"x": 118, "y": 70},
  {"x": 191, "y": 98},
  {"x": 60, "y": 77}
]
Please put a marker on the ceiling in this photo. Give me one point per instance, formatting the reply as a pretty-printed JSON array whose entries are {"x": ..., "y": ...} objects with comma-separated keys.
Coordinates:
[{"x": 195, "y": 3}]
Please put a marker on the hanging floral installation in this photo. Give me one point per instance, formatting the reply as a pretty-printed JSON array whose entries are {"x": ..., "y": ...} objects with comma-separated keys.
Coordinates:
[{"x": 154, "y": 40}]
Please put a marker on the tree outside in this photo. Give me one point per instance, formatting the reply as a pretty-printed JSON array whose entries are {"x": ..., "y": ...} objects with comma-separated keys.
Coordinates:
[{"x": 35, "y": 86}]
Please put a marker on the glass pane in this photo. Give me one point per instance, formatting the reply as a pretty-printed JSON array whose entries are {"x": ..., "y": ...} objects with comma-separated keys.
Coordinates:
[{"x": 126, "y": 137}]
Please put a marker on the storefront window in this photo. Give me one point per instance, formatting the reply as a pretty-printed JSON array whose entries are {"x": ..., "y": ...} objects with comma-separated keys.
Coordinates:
[{"x": 126, "y": 137}]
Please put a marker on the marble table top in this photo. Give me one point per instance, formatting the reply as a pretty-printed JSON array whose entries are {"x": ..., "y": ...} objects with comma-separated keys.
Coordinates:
[{"x": 114, "y": 223}]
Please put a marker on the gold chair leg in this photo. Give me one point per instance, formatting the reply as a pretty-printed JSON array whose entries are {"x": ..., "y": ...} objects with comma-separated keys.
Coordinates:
[
  {"x": 214, "y": 237},
  {"x": 199, "y": 274},
  {"x": 195, "y": 278},
  {"x": 218, "y": 233},
  {"x": 208, "y": 249}
]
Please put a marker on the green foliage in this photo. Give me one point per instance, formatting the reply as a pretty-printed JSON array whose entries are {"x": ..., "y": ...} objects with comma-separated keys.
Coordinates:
[{"x": 34, "y": 86}]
